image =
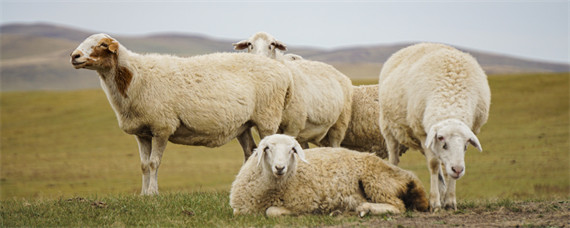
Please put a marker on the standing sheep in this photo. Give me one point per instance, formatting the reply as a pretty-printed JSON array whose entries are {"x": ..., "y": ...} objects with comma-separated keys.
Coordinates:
[
  {"x": 434, "y": 98},
  {"x": 363, "y": 133},
  {"x": 324, "y": 94},
  {"x": 204, "y": 100},
  {"x": 262, "y": 43},
  {"x": 328, "y": 180}
]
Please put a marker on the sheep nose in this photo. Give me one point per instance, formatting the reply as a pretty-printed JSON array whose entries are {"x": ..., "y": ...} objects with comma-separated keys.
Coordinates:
[
  {"x": 457, "y": 169},
  {"x": 279, "y": 169},
  {"x": 75, "y": 56}
]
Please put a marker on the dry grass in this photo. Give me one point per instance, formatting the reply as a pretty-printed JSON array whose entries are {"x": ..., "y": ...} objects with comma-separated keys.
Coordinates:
[{"x": 64, "y": 144}]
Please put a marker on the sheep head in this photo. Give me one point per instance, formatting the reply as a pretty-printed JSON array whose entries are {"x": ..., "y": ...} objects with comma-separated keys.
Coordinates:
[
  {"x": 97, "y": 52},
  {"x": 448, "y": 140},
  {"x": 276, "y": 153},
  {"x": 261, "y": 43}
]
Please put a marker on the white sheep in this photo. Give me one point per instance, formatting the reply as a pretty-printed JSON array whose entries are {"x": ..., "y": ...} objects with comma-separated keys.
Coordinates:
[
  {"x": 203, "y": 100},
  {"x": 328, "y": 180},
  {"x": 262, "y": 43},
  {"x": 363, "y": 132},
  {"x": 324, "y": 93},
  {"x": 434, "y": 98}
]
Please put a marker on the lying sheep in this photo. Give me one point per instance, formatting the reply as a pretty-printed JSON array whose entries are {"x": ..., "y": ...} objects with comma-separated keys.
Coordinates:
[
  {"x": 434, "y": 98},
  {"x": 327, "y": 180},
  {"x": 204, "y": 100},
  {"x": 363, "y": 133},
  {"x": 324, "y": 93}
]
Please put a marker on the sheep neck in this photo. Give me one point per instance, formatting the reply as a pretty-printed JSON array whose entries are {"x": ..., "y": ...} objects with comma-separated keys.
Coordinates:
[{"x": 116, "y": 79}]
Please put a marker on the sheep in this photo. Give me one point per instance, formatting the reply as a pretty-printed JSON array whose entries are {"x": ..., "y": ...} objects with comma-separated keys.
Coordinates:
[
  {"x": 363, "y": 132},
  {"x": 262, "y": 43},
  {"x": 328, "y": 180},
  {"x": 203, "y": 100},
  {"x": 325, "y": 93},
  {"x": 434, "y": 98}
]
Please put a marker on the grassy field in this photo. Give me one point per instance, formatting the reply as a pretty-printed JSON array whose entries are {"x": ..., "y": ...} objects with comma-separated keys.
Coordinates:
[
  {"x": 211, "y": 209},
  {"x": 64, "y": 145}
]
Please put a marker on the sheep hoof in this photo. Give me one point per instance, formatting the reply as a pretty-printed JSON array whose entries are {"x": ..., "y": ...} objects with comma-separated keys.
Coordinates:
[
  {"x": 335, "y": 213},
  {"x": 362, "y": 214},
  {"x": 434, "y": 210},
  {"x": 450, "y": 206}
]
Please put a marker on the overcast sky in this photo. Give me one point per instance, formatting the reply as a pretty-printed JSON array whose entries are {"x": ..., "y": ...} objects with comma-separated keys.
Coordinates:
[{"x": 529, "y": 29}]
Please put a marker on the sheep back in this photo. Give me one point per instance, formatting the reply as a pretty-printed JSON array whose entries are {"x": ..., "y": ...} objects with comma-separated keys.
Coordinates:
[
  {"x": 363, "y": 133},
  {"x": 426, "y": 83},
  {"x": 212, "y": 96},
  {"x": 324, "y": 93}
]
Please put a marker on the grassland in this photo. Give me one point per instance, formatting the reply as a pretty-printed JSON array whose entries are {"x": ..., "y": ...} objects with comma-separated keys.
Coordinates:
[
  {"x": 67, "y": 145},
  {"x": 210, "y": 209}
]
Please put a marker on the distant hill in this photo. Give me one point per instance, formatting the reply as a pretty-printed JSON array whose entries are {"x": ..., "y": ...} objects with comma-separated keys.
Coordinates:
[{"x": 36, "y": 56}]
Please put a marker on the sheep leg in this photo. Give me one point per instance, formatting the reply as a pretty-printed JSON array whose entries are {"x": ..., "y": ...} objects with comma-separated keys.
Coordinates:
[
  {"x": 247, "y": 143},
  {"x": 376, "y": 209},
  {"x": 393, "y": 149},
  {"x": 144, "y": 151},
  {"x": 274, "y": 211},
  {"x": 434, "y": 166},
  {"x": 449, "y": 198},
  {"x": 158, "y": 146},
  {"x": 337, "y": 131},
  {"x": 442, "y": 185}
]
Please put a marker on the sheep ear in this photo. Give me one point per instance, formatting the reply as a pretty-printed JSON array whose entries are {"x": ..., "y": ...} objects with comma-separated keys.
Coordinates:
[
  {"x": 114, "y": 46},
  {"x": 475, "y": 142},
  {"x": 300, "y": 152},
  {"x": 431, "y": 137},
  {"x": 260, "y": 153},
  {"x": 280, "y": 46},
  {"x": 241, "y": 45}
]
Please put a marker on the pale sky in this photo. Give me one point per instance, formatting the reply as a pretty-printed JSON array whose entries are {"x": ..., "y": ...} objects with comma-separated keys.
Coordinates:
[{"x": 535, "y": 30}]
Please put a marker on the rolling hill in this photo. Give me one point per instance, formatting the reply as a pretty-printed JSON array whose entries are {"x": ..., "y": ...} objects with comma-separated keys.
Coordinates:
[{"x": 36, "y": 56}]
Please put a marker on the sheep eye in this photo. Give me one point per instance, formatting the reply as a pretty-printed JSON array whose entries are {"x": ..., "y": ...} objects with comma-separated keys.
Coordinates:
[
  {"x": 293, "y": 150},
  {"x": 266, "y": 149},
  {"x": 104, "y": 45},
  {"x": 465, "y": 147},
  {"x": 445, "y": 146}
]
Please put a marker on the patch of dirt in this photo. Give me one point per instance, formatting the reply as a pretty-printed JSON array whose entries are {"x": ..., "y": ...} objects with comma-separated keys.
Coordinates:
[{"x": 501, "y": 214}]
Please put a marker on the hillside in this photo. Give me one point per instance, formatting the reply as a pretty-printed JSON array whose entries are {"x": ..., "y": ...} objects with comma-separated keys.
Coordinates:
[{"x": 36, "y": 56}]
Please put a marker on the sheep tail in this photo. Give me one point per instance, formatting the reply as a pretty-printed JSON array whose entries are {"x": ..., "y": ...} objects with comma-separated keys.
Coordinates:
[{"x": 415, "y": 196}]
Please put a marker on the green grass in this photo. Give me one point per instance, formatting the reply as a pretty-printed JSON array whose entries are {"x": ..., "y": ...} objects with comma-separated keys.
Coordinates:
[
  {"x": 60, "y": 145},
  {"x": 197, "y": 209},
  {"x": 211, "y": 209}
]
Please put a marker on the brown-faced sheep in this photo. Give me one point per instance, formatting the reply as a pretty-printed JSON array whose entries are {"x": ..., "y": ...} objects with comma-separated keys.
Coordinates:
[{"x": 203, "y": 100}]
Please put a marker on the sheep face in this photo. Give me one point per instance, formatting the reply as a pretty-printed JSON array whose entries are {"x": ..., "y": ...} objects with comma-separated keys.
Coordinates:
[
  {"x": 277, "y": 155},
  {"x": 448, "y": 139},
  {"x": 97, "y": 52},
  {"x": 261, "y": 43}
]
